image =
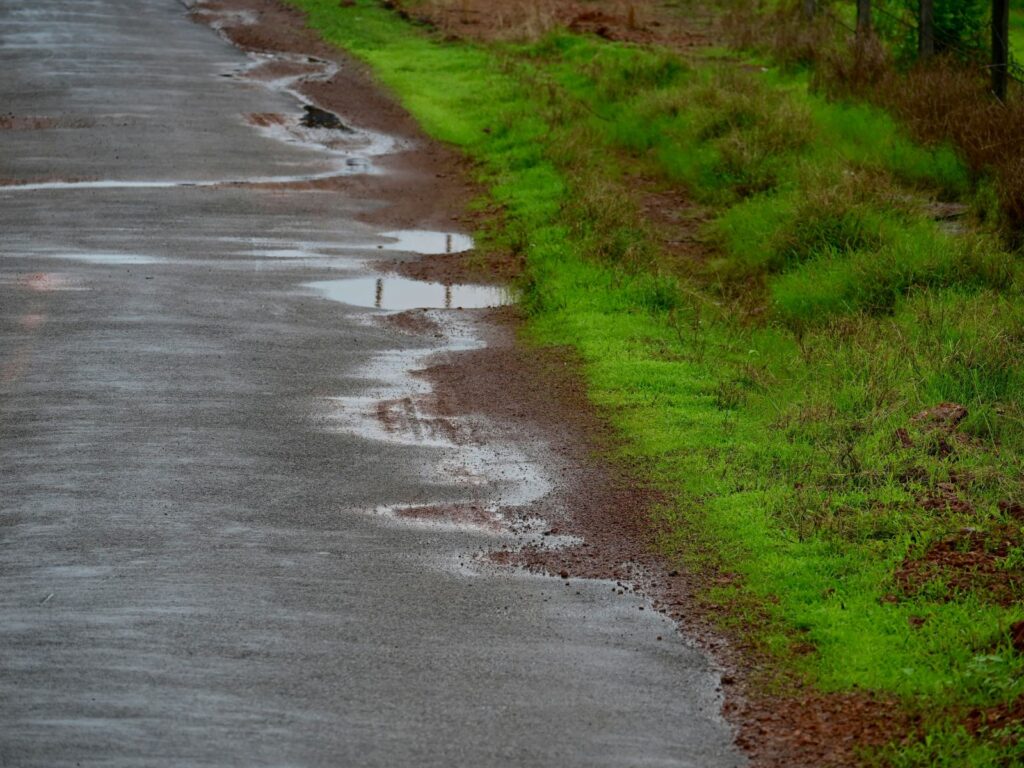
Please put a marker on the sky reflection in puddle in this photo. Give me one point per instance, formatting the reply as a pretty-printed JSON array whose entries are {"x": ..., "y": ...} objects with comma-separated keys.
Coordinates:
[
  {"x": 399, "y": 293},
  {"x": 426, "y": 242}
]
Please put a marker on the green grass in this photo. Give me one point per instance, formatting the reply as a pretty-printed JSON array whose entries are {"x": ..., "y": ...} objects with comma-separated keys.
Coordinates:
[
  {"x": 765, "y": 385},
  {"x": 1017, "y": 30}
]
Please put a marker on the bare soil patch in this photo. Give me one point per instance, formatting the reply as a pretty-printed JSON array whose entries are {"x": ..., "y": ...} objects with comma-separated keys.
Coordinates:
[
  {"x": 11, "y": 122},
  {"x": 967, "y": 561},
  {"x": 415, "y": 322},
  {"x": 486, "y": 267}
]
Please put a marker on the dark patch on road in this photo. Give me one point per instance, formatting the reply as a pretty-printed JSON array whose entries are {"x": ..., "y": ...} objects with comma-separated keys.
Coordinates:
[{"x": 314, "y": 117}]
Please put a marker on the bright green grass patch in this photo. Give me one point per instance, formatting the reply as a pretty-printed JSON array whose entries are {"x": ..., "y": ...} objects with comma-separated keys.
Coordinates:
[
  {"x": 778, "y": 438},
  {"x": 1017, "y": 30}
]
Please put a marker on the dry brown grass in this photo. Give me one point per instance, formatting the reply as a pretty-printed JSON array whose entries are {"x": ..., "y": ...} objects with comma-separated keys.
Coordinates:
[
  {"x": 784, "y": 31},
  {"x": 635, "y": 21},
  {"x": 945, "y": 100},
  {"x": 527, "y": 20}
]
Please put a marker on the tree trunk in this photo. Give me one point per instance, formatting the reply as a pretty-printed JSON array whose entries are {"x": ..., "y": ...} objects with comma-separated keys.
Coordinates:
[
  {"x": 1000, "y": 47},
  {"x": 863, "y": 18},
  {"x": 926, "y": 29}
]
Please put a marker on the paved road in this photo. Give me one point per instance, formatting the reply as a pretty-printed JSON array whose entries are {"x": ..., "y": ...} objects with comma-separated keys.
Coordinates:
[{"x": 195, "y": 565}]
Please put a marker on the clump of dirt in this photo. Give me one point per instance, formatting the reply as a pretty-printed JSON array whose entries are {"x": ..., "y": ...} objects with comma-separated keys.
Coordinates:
[
  {"x": 969, "y": 561},
  {"x": 1017, "y": 636},
  {"x": 314, "y": 117},
  {"x": 996, "y": 718},
  {"x": 945, "y": 497},
  {"x": 1012, "y": 509},
  {"x": 945, "y": 416},
  {"x": 935, "y": 430}
]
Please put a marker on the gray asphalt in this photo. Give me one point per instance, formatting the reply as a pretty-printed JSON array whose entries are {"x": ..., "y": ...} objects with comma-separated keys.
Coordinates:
[{"x": 197, "y": 560}]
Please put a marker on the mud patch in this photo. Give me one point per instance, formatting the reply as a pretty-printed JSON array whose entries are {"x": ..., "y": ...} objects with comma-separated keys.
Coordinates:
[
  {"x": 813, "y": 729},
  {"x": 403, "y": 416},
  {"x": 414, "y": 322},
  {"x": 491, "y": 268},
  {"x": 265, "y": 119},
  {"x": 472, "y": 515},
  {"x": 998, "y": 718},
  {"x": 488, "y": 480},
  {"x": 969, "y": 561},
  {"x": 12, "y": 122}
]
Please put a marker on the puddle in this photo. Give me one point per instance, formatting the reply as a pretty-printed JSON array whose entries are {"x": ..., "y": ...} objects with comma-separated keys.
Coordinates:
[
  {"x": 399, "y": 293},
  {"x": 483, "y": 479},
  {"x": 416, "y": 241},
  {"x": 427, "y": 243}
]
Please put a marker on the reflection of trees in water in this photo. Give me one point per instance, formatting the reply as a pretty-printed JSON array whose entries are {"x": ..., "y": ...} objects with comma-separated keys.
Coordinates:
[{"x": 378, "y": 296}]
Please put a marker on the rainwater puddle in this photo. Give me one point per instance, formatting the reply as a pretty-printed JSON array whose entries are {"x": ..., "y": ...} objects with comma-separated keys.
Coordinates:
[
  {"x": 399, "y": 293},
  {"x": 427, "y": 243}
]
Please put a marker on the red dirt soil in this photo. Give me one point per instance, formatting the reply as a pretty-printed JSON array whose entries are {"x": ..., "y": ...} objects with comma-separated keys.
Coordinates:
[{"x": 967, "y": 561}]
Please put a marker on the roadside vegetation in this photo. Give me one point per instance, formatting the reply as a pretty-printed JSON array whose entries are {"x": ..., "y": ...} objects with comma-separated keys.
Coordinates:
[{"x": 805, "y": 322}]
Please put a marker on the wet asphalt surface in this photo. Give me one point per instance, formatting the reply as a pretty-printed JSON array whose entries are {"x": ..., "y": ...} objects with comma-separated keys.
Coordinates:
[{"x": 194, "y": 566}]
